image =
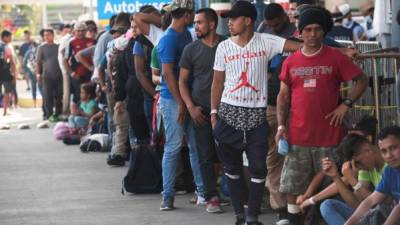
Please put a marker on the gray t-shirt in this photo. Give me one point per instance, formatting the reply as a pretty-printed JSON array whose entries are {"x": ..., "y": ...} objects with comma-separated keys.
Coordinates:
[
  {"x": 198, "y": 58},
  {"x": 88, "y": 52},
  {"x": 47, "y": 57},
  {"x": 101, "y": 47}
]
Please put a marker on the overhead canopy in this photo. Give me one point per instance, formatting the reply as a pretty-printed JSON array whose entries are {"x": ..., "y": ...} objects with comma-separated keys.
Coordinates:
[{"x": 52, "y": 2}]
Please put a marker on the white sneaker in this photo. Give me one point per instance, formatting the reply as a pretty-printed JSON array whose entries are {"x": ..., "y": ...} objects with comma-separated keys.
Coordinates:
[
  {"x": 283, "y": 222},
  {"x": 201, "y": 200},
  {"x": 44, "y": 124}
]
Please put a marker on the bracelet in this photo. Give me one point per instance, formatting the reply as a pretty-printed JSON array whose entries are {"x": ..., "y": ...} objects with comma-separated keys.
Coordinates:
[
  {"x": 312, "y": 201},
  {"x": 281, "y": 127},
  {"x": 213, "y": 111}
]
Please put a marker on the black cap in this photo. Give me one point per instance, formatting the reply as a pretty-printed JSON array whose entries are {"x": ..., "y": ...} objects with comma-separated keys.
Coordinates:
[
  {"x": 272, "y": 11},
  {"x": 312, "y": 16},
  {"x": 241, "y": 8},
  {"x": 121, "y": 28}
]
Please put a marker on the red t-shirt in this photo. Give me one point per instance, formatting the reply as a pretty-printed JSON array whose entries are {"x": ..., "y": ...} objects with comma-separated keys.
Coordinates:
[
  {"x": 76, "y": 45},
  {"x": 314, "y": 83}
]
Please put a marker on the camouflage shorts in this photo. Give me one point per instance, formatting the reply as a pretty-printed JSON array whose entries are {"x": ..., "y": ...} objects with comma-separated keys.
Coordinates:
[{"x": 300, "y": 166}]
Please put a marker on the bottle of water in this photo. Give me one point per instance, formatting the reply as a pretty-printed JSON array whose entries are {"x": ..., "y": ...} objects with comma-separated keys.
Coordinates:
[{"x": 283, "y": 147}]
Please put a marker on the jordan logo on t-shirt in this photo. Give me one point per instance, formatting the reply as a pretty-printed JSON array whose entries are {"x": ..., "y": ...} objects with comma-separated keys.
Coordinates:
[{"x": 244, "y": 81}]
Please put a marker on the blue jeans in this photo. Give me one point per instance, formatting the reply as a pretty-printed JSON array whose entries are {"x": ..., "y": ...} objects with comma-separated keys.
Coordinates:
[
  {"x": 77, "y": 121},
  {"x": 335, "y": 212},
  {"x": 174, "y": 133},
  {"x": 34, "y": 84}
]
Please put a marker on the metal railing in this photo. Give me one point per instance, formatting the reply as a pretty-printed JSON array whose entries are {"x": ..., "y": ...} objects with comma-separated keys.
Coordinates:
[{"x": 381, "y": 98}]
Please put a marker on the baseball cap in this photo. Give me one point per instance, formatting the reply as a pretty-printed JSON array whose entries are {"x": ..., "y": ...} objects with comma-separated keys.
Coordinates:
[
  {"x": 344, "y": 9},
  {"x": 179, "y": 4},
  {"x": 241, "y": 8},
  {"x": 80, "y": 26}
]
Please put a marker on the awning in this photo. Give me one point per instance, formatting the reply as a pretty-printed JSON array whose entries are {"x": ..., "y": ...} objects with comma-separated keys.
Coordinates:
[{"x": 52, "y": 2}]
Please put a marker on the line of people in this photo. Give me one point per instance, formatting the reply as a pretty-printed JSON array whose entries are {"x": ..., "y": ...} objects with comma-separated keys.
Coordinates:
[{"x": 255, "y": 101}]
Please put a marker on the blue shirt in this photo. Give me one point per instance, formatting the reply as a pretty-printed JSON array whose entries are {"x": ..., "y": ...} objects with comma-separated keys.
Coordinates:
[
  {"x": 24, "y": 48},
  {"x": 170, "y": 50},
  {"x": 138, "y": 49},
  {"x": 390, "y": 183}
]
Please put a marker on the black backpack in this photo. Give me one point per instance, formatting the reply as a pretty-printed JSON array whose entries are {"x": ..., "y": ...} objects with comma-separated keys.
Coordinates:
[
  {"x": 123, "y": 73},
  {"x": 5, "y": 68},
  {"x": 144, "y": 173}
]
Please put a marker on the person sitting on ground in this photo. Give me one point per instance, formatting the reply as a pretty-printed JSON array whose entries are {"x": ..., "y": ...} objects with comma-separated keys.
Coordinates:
[
  {"x": 362, "y": 169},
  {"x": 365, "y": 127},
  {"x": 98, "y": 122},
  {"x": 389, "y": 186},
  {"x": 79, "y": 121}
]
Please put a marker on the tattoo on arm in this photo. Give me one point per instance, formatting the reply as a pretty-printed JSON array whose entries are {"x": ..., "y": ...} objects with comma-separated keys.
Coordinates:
[
  {"x": 283, "y": 112},
  {"x": 283, "y": 105}
]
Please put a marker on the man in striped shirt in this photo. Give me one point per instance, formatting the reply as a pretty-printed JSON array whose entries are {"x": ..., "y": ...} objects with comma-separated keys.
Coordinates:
[{"x": 238, "y": 106}]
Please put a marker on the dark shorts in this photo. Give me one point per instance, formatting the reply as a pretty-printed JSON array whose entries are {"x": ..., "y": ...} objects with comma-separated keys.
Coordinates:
[{"x": 8, "y": 86}]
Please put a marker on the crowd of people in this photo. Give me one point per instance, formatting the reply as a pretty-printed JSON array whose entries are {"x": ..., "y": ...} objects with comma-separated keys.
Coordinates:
[{"x": 264, "y": 103}]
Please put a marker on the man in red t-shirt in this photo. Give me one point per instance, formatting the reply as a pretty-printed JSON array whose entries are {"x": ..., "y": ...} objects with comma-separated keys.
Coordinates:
[
  {"x": 79, "y": 72},
  {"x": 310, "y": 82}
]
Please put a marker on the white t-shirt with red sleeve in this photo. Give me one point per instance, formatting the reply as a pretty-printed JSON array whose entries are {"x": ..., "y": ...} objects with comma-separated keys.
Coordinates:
[
  {"x": 246, "y": 69},
  {"x": 314, "y": 83}
]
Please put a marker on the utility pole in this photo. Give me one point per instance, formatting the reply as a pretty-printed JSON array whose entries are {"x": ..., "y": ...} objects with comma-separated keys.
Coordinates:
[
  {"x": 395, "y": 24},
  {"x": 91, "y": 10},
  {"x": 44, "y": 15}
]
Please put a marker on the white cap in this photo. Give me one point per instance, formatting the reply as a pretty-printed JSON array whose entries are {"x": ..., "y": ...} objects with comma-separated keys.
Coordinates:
[
  {"x": 344, "y": 9},
  {"x": 121, "y": 43}
]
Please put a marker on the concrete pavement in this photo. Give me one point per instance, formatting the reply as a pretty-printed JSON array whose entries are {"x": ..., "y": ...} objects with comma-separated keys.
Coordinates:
[{"x": 44, "y": 182}]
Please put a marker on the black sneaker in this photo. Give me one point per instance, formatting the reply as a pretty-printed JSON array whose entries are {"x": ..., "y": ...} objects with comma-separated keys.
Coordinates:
[
  {"x": 167, "y": 204},
  {"x": 240, "y": 221},
  {"x": 115, "y": 160},
  {"x": 254, "y": 223}
]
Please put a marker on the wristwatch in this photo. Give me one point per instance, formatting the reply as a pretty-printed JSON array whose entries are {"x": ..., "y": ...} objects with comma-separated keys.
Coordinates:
[
  {"x": 213, "y": 111},
  {"x": 348, "y": 102},
  {"x": 357, "y": 186}
]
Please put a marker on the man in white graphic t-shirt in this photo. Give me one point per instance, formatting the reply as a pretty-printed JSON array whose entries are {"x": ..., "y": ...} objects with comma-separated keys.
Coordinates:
[{"x": 238, "y": 103}]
